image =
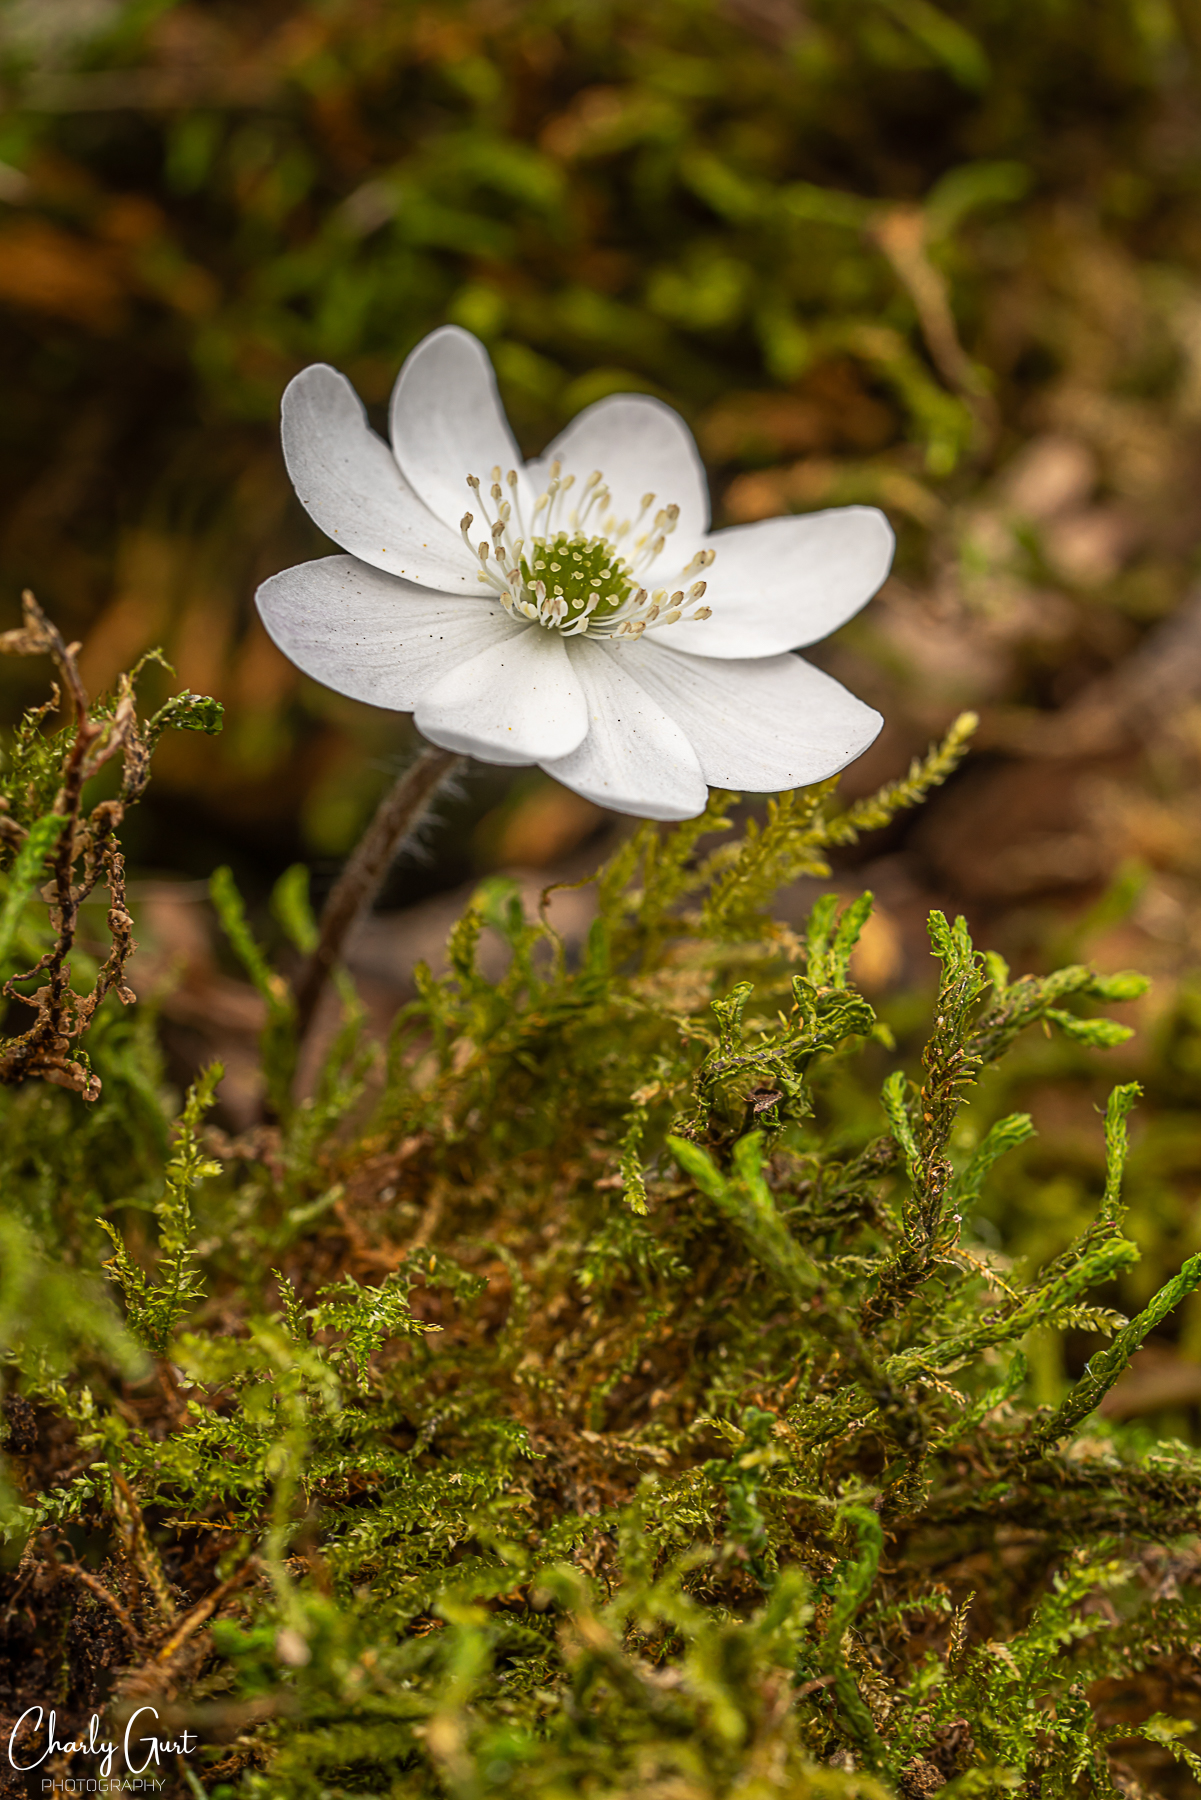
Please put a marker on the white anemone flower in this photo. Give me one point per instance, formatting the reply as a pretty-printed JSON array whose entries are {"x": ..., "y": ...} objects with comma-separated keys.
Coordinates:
[{"x": 576, "y": 611}]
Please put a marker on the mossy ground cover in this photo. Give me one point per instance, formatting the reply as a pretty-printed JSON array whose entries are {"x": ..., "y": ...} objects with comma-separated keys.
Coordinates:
[{"x": 607, "y": 1387}]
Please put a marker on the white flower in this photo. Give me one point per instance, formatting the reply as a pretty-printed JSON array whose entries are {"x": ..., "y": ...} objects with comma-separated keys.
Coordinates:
[{"x": 575, "y": 612}]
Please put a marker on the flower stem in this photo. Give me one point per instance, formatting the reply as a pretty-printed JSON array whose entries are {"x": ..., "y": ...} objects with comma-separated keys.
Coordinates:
[{"x": 399, "y": 810}]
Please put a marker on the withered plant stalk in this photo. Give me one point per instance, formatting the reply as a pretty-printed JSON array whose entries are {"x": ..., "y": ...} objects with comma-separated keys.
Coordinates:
[
  {"x": 62, "y": 1014},
  {"x": 399, "y": 812}
]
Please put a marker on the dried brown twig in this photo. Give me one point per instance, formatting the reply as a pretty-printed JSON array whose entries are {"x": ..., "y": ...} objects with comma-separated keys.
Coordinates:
[
  {"x": 83, "y": 853},
  {"x": 94, "y": 1586}
]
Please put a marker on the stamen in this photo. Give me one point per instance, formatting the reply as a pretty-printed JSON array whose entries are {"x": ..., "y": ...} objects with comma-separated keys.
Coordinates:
[
  {"x": 597, "y": 496},
  {"x": 571, "y": 576},
  {"x": 511, "y": 478}
]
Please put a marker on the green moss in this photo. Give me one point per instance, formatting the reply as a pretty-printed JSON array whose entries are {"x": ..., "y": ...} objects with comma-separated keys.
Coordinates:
[{"x": 621, "y": 1404}]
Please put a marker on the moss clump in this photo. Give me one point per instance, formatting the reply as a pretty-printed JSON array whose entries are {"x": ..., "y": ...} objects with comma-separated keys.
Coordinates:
[{"x": 605, "y": 1392}]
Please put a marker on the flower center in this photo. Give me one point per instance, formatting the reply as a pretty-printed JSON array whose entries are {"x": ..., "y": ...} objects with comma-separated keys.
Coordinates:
[{"x": 576, "y": 569}]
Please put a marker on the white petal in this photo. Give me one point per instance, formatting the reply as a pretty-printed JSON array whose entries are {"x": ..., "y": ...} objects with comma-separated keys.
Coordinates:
[
  {"x": 371, "y": 636},
  {"x": 447, "y": 423},
  {"x": 348, "y": 482},
  {"x": 640, "y": 446},
  {"x": 635, "y": 759},
  {"x": 517, "y": 702},
  {"x": 761, "y": 725},
  {"x": 784, "y": 583}
]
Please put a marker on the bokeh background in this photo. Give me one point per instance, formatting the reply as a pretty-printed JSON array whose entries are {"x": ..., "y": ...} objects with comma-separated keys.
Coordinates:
[{"x": 945, "y": 259}]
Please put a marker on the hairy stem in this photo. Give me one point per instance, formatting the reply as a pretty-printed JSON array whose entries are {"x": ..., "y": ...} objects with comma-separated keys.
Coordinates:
[{"x": 400, "y": 809}]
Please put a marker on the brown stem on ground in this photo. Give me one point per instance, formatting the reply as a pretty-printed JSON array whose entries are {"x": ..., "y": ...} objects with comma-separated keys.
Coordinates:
[
  {"x": 398, "y": 812},
  {"x": 62, "y": 1015},
  {"x": 97, "y": 1587}
]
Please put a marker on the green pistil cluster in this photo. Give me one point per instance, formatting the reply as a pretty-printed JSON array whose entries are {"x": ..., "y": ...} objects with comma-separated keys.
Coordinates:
[
  {"x": 565, "y": 581},
  {"x": 578, "y": 570}
]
